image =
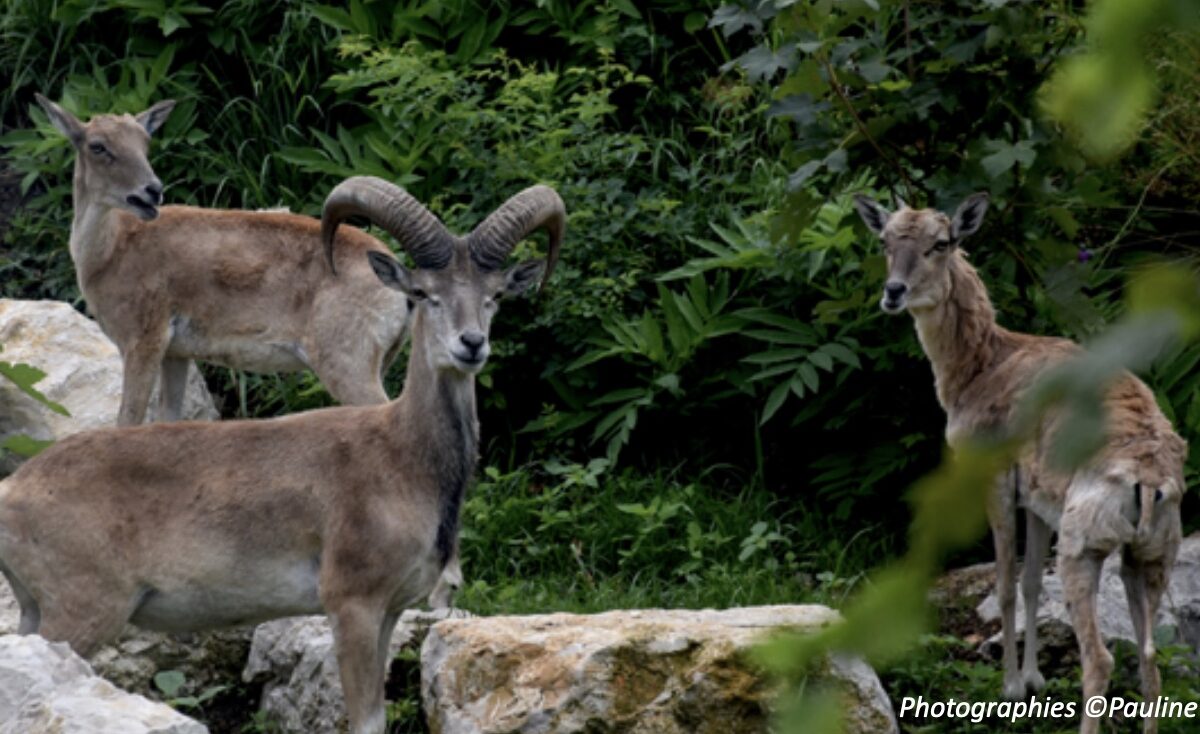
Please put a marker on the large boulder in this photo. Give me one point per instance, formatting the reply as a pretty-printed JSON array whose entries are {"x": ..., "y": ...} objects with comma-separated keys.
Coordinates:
[
  {"x": 642, "y": 672},
  {"x": 44, "y": 687},
  {"x": 83, "y": 374},
  {"x": 132, "y": 660},
  {"x": 294, "y": 661}
]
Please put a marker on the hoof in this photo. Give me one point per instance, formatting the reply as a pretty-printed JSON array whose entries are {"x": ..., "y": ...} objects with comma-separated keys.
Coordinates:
[
  {"x": 1033, "y": 680},
  {"x": 1014, "y": 690}
]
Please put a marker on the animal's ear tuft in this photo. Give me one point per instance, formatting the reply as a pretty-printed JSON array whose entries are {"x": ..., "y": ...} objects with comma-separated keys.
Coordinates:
[
  {"x": 153, "y": 118},
  {"x": 872, "y": 213},
  {"x": 66, "y": 123},
  {"x": 969, "y": 216},
  {"x": 519, "y": 277},
  {"x": 390, "y": 272}
]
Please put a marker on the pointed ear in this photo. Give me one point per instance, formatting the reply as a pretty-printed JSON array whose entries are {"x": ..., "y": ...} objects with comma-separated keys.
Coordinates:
[
  {"x": 66, "y": 123},
  {"x": 874, "y": 215},
  {"x": 969, "y": 216},
  {"x": 153, "y": 118},
  {"x": 519, "y": 277},
  {"x": 391, "y": 273}
]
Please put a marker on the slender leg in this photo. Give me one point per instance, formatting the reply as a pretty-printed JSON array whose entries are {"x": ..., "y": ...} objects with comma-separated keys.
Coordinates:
[
  {"x": 356, "y": 632},
  {"x": 1145, "y": 583},
  {"x": 174, "y": 385},
  {"x": 385, "y": 644},
  {"x": 141, "y": 365},
  {"x": 1037, "y": 544},
  {"x": 1002, "y": 517},
  {"x": 1081, "y": 581}
]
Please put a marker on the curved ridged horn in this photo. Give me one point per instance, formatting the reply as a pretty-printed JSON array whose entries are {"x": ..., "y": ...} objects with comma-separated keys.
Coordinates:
[
  {"x": 416, "y": 229},
  {"x": 534, "y": 208}
]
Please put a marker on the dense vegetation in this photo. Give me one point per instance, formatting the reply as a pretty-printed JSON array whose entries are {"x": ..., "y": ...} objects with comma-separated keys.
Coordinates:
[{"x": 706, "y": 406}]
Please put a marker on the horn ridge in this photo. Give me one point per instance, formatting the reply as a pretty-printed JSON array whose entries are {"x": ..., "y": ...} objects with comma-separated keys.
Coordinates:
[
  {"x": 417, "y": 229},
  {"x": 537, "y": 207}
]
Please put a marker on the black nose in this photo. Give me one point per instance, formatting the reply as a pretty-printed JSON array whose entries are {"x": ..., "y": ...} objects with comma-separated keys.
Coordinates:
[
  {"x": 893, "y": 291},
  {"x": 154, "y": 192},
  {"x": 472, "y": 340}
]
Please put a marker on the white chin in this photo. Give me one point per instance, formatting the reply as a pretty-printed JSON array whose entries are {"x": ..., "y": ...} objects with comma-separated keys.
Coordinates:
[
  {"x": 892, "y": 308},
  {"x": 466, "y": 367}
]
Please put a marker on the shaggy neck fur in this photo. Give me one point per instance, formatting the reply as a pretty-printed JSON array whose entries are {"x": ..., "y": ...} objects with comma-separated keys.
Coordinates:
[
  {"x": 960, "y": 335},
  {"x": 442, "y": 403}
]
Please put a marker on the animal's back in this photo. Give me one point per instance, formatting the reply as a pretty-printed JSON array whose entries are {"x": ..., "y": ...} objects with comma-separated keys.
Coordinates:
[{"x": 239, "y": 288}]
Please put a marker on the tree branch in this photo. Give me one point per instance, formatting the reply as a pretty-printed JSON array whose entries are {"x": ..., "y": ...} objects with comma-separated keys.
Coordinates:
[{"x": 862, "y": 129}]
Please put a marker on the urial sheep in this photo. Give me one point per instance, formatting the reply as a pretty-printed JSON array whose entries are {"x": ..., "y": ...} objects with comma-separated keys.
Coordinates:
[
  {"x": 350, "y": 510},
  {"x": 240, "y": 288},
  {"x": 1126, "y": 498}
]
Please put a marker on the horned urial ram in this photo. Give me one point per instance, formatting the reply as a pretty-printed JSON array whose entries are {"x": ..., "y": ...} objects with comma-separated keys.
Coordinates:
[
  {"x": 1125, "y": 499},
  {"x": 353, "y": 511}
]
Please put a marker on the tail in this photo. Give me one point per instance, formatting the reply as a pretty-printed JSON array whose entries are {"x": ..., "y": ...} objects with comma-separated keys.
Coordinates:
[{"x": 1146, "y": 498}]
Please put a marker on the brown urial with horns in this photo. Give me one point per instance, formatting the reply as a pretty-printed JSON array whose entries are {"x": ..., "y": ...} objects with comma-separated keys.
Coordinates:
[{"x": 353, "y": 511}]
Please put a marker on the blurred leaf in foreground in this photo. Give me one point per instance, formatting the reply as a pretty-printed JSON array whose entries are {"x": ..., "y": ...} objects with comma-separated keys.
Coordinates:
[{"x": 1104, "y": 94}]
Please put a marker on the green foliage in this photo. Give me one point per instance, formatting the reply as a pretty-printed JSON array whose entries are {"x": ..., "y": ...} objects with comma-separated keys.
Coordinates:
[
  {"x": 1105, "y": 94},
  {"x": 24, "y": 377},
  {"x": 661, "y": 343},
  {"x": 582, "y": 538},
  {"x": 404, "y": 712},
  {"x": 261, "y": 723},
  {"x": 171, "y": 682}
]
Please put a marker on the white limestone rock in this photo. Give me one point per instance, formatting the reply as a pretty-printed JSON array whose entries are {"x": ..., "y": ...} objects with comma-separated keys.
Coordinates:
[
  {"x": 642, "y": 672},
  {"x": 44, "y": 687},
  {"x": 83, "y": 374}
]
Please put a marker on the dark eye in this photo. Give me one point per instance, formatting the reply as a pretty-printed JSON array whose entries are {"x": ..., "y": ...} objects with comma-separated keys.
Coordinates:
[
  {"x": 940, "y": 246},
  {"x": 97, "y": 148},
  {"x": 418, "y": 294}
]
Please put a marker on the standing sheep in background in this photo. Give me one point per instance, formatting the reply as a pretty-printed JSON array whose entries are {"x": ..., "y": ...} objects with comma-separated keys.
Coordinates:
[
  {"x": 353, "y": 511},
  {"x": 244, "y": 289},
  {"x": 1126, "y": 498}
]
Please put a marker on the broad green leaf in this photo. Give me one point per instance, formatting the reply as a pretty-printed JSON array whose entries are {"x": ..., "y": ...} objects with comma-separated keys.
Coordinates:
[
  {"x": 842, "y": 353},
  {"x": 774, "y": 402},
  {"x": 1004, "y": 155},
  {"x": 25, "y": 446},
  {"x": 169, "y": 682},
  {"x": 25, "y": 376}
]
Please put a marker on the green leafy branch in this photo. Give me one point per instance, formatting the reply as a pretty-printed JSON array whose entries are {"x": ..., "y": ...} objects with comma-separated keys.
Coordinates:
[
  {"x": 24, "y": 377},
  {"x": 662, "y": 342}
]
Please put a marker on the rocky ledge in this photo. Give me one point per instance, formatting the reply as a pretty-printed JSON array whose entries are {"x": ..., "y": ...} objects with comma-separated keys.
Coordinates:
[{"x": 648, "y": 671}]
